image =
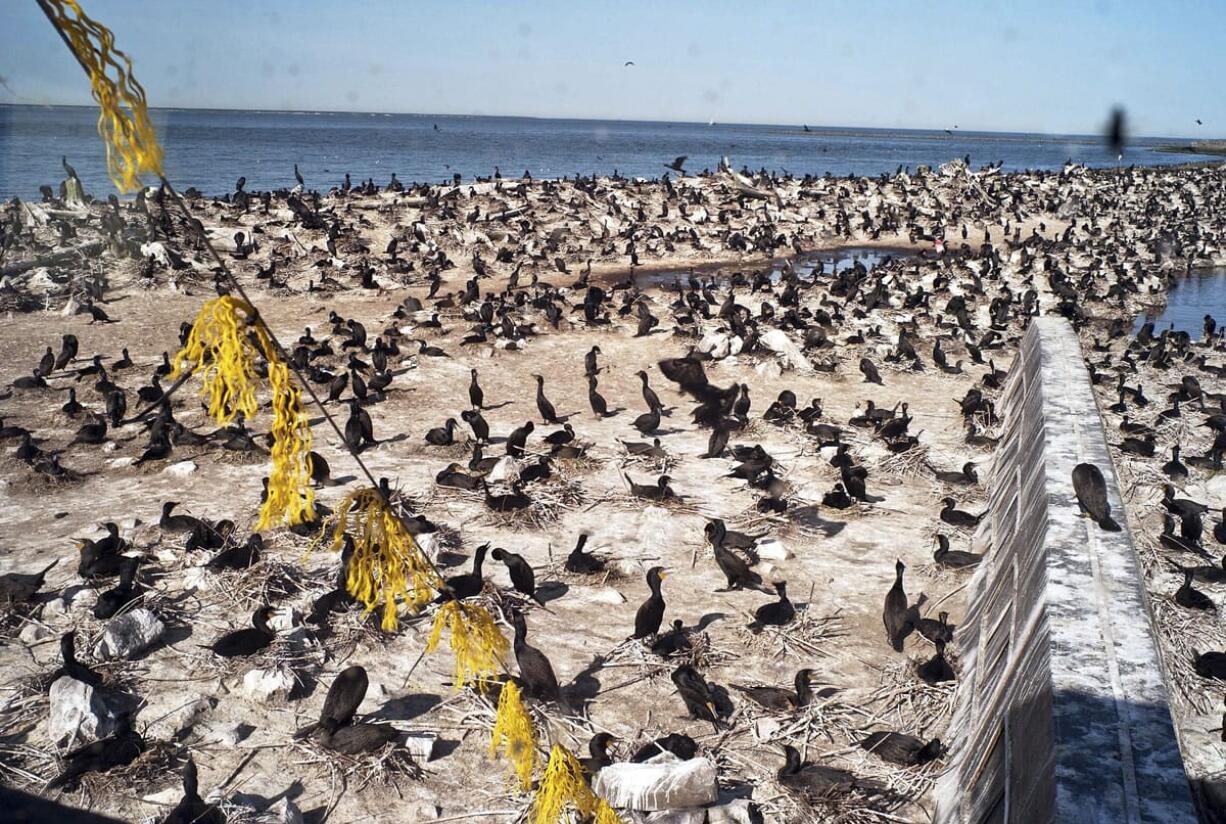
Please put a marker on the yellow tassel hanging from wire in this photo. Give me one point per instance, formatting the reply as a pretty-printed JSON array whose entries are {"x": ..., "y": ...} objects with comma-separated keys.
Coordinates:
[
  {"x": 513, "y": 726},
  {"x": 602, "y": 813},
  {"x": 290, "y": 497},
  {"x": 387, "y": 564},
  {"x": 123, "y": 121},
  {"x": 563, "y": 784},
  {"x": 219, "y": 347},
  {"x": 476, "y": 643},
  {"x": 223, "y": 349}
]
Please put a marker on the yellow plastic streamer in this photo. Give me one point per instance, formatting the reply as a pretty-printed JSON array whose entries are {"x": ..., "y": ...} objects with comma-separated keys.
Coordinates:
[
  {"x": 563, "y": 784},
  {"x": 513, "y": 726},
  {"x": 476, "y": 643},
  {"x": 123, "y": 121},
  {"x": 222, "y": 349},
  {"x": 387, "y": 564},
  {"x": 290, "y": 496}
]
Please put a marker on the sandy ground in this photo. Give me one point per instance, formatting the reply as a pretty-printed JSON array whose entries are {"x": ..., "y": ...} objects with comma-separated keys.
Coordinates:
[{"x": 841, "y": 564}]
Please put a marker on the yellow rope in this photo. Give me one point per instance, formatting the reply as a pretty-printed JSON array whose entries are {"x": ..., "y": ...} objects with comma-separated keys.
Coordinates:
[
  {"x": 387, "y": 565},
  {"x": 513, "y": 726},
  {"x": 476, "y": 643},
  {"x": 123, "y": 120},
  {"x": 223, "y": 345},
  {"x": 563, "y": 784}
]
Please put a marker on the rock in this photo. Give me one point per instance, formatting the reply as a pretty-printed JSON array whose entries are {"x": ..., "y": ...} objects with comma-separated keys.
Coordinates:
[
  {"x": 197, "y": 578},
  {"x": 764, "y": 729},
  {"x": 168, "y": 797},
  {"x": 428, "y": 541},
  {"x": 78, "y": 711},
  {"x": 283, "y": 812},
  {"x": 769, "y": 369},
  {"x": 605, "y": 595},
  {"x": 420, "y": 745},
  {"x": 720, "y": 344},
  {"x": 179, "y": 719},
  {"x": 664, "y": 783},
  {"x": 130, "y": 634},
  {"x": 773, "y": 549},
  {"x": 32, "y": 633},
  {"x": 71, "y": 598},
  {"x": 505, "y": 470},
  {"x": 168, "y": 555},
  {"x": 285, "y": 619},
  {"x": 737, "y": 811},
  {"x": 421, "y": 811},
  {"x": 790, "y": 354},
  {"x": 228, "y": 735},
  {"x": 626, "y": 567},
  {"x": 678, "y": 817},
  {"x": 181, "y": 469},
  {"x": 268, "y": 685}
]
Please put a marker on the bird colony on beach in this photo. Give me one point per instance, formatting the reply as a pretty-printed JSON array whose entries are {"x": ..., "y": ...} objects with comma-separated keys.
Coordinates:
[{"x": 720, "y": 501}]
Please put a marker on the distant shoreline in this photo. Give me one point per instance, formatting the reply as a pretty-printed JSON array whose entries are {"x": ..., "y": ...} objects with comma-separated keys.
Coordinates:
[
  {"x": 798, "y": 127},
  {"x": 1200, "y": 147}
]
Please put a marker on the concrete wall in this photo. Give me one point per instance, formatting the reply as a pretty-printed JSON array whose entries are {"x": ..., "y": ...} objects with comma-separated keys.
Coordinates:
[{"x": 1062, "y": 711}]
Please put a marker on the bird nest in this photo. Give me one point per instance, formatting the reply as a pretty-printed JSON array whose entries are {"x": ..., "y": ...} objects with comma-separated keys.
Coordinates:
[
  {"x": 548, "y": 502},
  {"x": 647, "y": 464},
  {"x": 384, "y": 768},
  {"x": 913, "y": 463},
  {"x": 1184, "y": 633},
  {"x": 803, "y": 637},
  {"x": 266, "y": 582},
  {"x": 905, "y": 699},
  {"x": 157, "y": 766}
]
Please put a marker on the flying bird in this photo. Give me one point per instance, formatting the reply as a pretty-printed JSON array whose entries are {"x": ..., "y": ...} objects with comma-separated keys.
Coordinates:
[
  {"x": 628, "y": 63},
  {"x": 677, "y": 164}
]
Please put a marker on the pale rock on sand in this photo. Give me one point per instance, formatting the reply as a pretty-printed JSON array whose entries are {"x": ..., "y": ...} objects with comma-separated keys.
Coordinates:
[
  {"x": 72, "y": 598},
  {"x": 736, "y": 811},
  {"x": 225, "y": 735},
  {"x": 506, "y": 469},
  {"x": 181, "y": 469},
  {"x": 698, "y": 816},
  {"x": 32, "y": 633},
  {"x": 78, "y": 711},
  {"x": 268, "y": 685},
  {"x": 790, "y": 354},
  {"x": 719, "y": 344},
  {"x": 663, "y": 783},
  {"x": 130, "y": 634},
  {"x": 172, "y": 722},
  {"x": 285, "y": 619},
  {"x": 168, "y": 797},
  {"x": 420, "y": 745},
  {"x": 773, "y": 549}
]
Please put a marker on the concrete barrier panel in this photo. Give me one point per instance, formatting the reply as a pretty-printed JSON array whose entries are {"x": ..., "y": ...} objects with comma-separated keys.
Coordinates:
[{"x": 1062, "y": 712}]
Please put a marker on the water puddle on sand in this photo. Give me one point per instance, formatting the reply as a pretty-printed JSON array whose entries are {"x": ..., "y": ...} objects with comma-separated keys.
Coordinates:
[
  {"x": 1193, "y": 296},
  {"x": 830, "y": 261}
]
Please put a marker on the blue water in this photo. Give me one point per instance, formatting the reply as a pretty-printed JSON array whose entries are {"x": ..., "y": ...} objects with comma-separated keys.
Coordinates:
[
  {"x": 210, "y": 149},
  {"x": 832, "y": 262},
  {"x": 1190, "y": 298}
]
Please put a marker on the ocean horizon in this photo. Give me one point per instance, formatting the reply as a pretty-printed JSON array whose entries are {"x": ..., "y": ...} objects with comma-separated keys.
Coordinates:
[{"x": 210, "y": 148}]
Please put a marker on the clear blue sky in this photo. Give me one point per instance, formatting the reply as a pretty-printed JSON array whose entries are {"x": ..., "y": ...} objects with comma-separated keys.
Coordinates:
[{"x": 1006, "y": 65}]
